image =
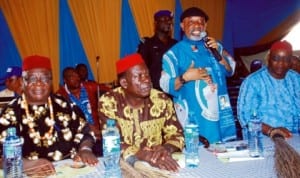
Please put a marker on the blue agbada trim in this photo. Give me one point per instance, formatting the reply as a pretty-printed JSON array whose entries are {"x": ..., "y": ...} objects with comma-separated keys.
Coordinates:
[{"x": 84, "y": 104}]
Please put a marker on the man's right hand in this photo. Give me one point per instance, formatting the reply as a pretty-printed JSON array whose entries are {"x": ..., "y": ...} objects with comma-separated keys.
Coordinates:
[
  {"x": 38, "y": 168},
  {"x": 193, "y": 73},
  {"x": 159, "y": 157}
]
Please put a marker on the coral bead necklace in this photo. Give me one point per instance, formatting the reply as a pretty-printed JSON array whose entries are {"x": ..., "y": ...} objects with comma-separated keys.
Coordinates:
[{"x": 29, "y": 120}]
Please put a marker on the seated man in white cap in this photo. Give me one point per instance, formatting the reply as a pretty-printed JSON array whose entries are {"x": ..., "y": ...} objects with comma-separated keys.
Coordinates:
[
  {"x": 51, "y": 127},
  {"x": 145, "y": 116},
  {"x": 12, "y": 81}
]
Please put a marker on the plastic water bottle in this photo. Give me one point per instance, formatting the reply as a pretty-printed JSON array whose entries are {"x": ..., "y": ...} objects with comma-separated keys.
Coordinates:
[
  {"x": 12, "y": 155},
  {"x": 191, "y": 136},
  {"x": 111, "y": 150},
  {"x": 255, "y": 136}
]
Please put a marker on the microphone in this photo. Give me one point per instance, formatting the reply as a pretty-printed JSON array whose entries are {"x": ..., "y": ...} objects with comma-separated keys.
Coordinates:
[
  {"x": 214, "y": 51},
  {"x": 97, "y": 63},
  {"x": 98, "y": 81}
]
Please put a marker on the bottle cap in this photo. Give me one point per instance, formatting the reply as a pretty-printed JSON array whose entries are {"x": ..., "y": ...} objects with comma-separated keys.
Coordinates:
[
  {"x": 11, "y": 131},
  {"x": 110, "y": 122}
]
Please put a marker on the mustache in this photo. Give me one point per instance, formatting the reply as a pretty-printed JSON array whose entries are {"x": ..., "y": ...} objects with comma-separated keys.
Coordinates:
[
  {"x": 196, "y": 29},
  {"x": 146, "y": 85}
]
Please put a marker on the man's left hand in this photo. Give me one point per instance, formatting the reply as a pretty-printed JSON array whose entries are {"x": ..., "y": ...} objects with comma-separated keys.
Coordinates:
[
  {"x": 86, "y": 156},
  {"x": 281, "y": 131}
]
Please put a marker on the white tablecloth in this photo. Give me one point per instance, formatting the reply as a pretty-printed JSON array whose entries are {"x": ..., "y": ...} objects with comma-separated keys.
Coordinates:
[{"x": 210, "y": 166}]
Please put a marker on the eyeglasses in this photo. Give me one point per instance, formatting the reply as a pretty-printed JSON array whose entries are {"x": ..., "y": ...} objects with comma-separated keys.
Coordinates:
[
  {"x": 280, "y": 58},
  {"x": 33, "y": 79}
]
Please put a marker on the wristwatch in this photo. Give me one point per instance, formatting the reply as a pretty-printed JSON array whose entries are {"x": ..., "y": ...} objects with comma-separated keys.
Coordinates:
[{"x": 181, "y": 79}]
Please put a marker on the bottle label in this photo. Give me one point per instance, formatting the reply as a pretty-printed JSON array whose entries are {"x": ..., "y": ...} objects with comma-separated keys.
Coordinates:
[
  {"x": 254, "y": 125},
  {"x": 111, "y": 144},
  {"x": 12, "y": 148},
  {"x": 191, "y": 131},
  {"x": 11, "y": 151}
]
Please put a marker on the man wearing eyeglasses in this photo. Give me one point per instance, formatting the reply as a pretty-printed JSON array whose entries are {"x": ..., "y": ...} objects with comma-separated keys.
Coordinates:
[
  {"x": 52, "y": 128},
  {"x": 274, "y": 92}
]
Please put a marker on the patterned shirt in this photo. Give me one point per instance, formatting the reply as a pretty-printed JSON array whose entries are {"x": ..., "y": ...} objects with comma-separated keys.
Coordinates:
[
  {"x": 276, "y": 101},
  {"x": 153, "y": 124},
  {"x": 69, "y": 129}
]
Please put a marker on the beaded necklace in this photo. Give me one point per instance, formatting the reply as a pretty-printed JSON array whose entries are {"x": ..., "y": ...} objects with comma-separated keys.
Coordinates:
[{"x": 29, "y": 120}]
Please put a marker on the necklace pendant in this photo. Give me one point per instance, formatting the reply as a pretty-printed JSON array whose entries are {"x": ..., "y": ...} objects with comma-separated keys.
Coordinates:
[
  {"x": 31, "y": 125},
  {"x": 36, "y": 140}
]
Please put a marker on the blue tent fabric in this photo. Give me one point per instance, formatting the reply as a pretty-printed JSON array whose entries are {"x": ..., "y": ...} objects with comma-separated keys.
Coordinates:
[
  {"x": 246, "y": 22},
  {"x": 129, "y": 33},
  {"x": 71, "y": 49},
  {"x": 243, "y": 29},
  {"x": 9, "y": 55},
  {"x": 177, "y": 29}
]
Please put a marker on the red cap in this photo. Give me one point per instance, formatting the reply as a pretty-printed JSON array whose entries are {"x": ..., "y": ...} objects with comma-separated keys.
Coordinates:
[
  {"x": 128, "y": 62},
  {"x": 35, "y": 61},
  {"x": 282, "y": 45}
]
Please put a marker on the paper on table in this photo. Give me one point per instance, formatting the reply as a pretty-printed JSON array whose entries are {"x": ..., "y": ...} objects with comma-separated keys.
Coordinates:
[
  {"x": 234, "y": 156},
  {"x": 66, "y": 169}
]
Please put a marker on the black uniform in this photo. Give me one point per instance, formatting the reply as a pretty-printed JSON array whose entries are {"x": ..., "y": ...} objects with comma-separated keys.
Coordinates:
[{"x": 152, "y": 50}]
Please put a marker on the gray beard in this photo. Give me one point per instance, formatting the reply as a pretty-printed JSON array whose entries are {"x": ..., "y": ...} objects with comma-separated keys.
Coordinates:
[{"x": 195, "y": 38}]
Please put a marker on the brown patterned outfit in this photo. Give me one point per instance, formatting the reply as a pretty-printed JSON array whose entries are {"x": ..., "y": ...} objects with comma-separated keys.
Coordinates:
[{"x": 155, "y": 123}]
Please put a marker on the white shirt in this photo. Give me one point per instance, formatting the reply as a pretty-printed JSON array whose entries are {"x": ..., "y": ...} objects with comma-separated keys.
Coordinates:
[{"x": 7, "y": 93}]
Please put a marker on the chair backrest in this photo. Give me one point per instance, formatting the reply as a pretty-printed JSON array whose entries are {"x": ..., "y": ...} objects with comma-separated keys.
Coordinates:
[
  {"x": 233, "y": 87},
  {"x": 255, "y": 65},
  {"x": 4, "y": 101}
]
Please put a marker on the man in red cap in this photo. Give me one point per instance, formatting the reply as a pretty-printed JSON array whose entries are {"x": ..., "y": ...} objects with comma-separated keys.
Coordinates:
[
  {"x": 145, "y": 116},
  {"x": 52, "y": 128},
  {"x": 152, "y": 49},
  {"x": 274, "y": 93}
]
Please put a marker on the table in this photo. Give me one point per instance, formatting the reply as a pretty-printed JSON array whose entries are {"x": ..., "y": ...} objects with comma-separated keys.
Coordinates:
[{"x": 210, "y": 166}]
